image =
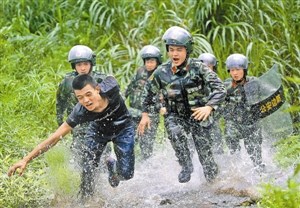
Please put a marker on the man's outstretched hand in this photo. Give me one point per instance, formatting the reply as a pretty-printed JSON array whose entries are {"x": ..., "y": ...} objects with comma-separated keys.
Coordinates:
[{"x": 21, "y": 165}]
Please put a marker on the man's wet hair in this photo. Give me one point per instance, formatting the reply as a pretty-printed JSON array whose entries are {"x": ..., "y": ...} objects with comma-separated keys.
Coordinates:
[{"x": 83, "y": 80}]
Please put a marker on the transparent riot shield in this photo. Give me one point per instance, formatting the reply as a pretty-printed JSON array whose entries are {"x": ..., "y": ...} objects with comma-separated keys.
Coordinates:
[{"x": 265, "y": 95}]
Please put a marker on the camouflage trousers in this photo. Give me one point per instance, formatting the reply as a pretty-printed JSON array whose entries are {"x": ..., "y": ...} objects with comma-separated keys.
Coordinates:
[
  {"x": 217, "y": 137},
  {"x": 252, "y": 136},
  {"x": 146, "y": 142},
  {"x": 178, "y": 129}
]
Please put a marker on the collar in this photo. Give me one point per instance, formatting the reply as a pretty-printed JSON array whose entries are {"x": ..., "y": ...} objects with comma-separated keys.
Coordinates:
[
  {"x": 239, "y": 83},
  {"x": 184, "y": 67}
]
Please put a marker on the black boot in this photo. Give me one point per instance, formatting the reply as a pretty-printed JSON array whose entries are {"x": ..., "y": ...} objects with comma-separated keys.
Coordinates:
[{"x": 185, "y": 174}]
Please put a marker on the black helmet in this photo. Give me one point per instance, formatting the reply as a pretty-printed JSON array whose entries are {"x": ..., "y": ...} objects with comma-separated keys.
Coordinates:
[
  {"x": 178, "y": 36},
  {"x": 209, "y": 59},
  {"x": 150, "y": 51},
  {"x": 237, "y": 60},
  {"x": 80, "y": 53}
]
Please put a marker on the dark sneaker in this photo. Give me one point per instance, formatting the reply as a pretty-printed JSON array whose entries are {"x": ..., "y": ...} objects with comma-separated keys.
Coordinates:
[
  {"x": 185, "y": 174},
  {"x": 113, "y": 177}
]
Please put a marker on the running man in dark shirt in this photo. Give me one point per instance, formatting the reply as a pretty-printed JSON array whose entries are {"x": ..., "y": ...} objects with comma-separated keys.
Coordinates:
[{"x": 102, "y": 105}]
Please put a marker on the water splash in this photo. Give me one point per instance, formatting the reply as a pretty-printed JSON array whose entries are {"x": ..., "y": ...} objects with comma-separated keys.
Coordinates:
[{"x": 155, "y": 183}]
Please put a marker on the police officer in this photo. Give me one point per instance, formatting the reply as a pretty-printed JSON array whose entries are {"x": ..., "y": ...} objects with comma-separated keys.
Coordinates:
[
  {"x": 82, "y": 61},
  {"x": 239, "y": 121},
  {"x": 152, "y": 58},
  {"x": 211, "y": 61},
  {"x": 189, "y": 105}
]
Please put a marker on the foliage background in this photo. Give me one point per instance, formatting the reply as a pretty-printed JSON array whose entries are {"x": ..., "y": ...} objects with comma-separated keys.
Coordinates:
[{"x": 35, "y": 37}]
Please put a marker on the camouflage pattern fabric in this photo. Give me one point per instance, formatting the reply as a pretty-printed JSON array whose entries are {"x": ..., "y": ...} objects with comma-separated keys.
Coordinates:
[
  {"x": 184, "y": 88},
  {"x": 239, "y": 122},
  {"x": 134, "y": 93},
  {"x": 217, "y": 137},
  {"x": 215, "y": 130},
  {"x": 178, "y": 130},
  {"x": 236, "y": 102},
  {"x": 136, "y": 86}
]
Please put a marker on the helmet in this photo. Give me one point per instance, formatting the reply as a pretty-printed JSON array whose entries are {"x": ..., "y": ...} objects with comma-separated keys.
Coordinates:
[
  {"x": 209, "y": 59},
  {"x": 150, "y": 51},
  {"x": 80, "y": 53},
  {"x": 178, "y": 36},
  {"x": 237, "y": 60}
]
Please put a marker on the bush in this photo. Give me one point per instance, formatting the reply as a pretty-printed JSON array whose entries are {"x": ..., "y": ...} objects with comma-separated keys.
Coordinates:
[{"x": 288, "y": 197}]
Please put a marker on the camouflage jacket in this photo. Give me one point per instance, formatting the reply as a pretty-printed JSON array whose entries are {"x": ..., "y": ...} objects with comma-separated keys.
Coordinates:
[
  {"x": 192, "y": 86},
  {"x": 236, "y": 107},
  {"x": 65, "y": 97},
  {"x": 135, "y": 91}
]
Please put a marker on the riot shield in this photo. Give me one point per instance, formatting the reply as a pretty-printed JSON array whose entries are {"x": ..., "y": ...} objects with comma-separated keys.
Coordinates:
[
  {"x": 265, "y": 95},
  {"x": 270, "y": 104}
]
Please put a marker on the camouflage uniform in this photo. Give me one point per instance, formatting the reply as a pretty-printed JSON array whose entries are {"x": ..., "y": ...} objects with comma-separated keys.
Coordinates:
[
  {"x": 216, "y": 134},
  {"x": 183, "y": 89},
  {"x": 134, "y": 93},
  {"x": 239, "y": 121},
  {"x": 65, "y": 102},
  {"x": 211, "y": 61}
]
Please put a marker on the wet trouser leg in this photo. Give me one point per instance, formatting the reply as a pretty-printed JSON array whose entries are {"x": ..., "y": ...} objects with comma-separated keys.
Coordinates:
[
  {"x": 252, "y": 142},
  {"x": 216, "y": 135},
  {"x": 77, "y": 145},
  {"x": 93, "y": 149},
  {"x": 232, "y": 137},
  {"x": 203, "y": 143},
  {"x": 106, "y": 153},
  {"x": 146, "y": 141},
  {"x": 124, "y": 149},
  {"x": 179, "y": 141},
  {"x": 91, "y": 156}
]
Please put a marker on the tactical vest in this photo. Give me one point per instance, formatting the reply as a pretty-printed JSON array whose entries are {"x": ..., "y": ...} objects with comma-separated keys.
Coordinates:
[
  {"x": 184, "y": 89},
  {"x": 236, "y": 107},
  {"x": 136, "y": 87},
  {"x": 135, "y": 92}
]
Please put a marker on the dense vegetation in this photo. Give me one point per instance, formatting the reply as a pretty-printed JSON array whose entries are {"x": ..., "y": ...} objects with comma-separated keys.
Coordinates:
[{"x": 35, "y": 37}]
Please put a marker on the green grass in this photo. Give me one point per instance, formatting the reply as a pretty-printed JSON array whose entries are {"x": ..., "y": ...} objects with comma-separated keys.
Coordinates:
[{"x": 277, "y": 196}]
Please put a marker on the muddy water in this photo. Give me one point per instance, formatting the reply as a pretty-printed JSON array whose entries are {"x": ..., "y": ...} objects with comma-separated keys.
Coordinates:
[{"x": 155, "y": 183}]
